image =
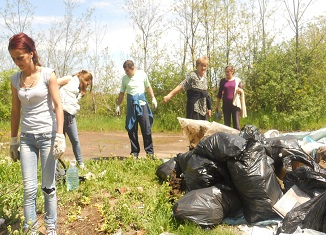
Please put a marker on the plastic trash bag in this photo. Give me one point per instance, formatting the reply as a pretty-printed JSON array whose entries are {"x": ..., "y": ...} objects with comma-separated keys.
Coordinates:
[
  {"x": 164, "y": 170},
  {"x": 307, "y": 179},
  {"x": 310, "y": 215},
  {"x": 182, "y": 161},
  {"x": 221, "y": 146},
  {"x": 207, "y": 206},
  {"x": 202, "y": 173},
  {"x": 250, "y": 132},
  {"x": 254, "y": 179}
]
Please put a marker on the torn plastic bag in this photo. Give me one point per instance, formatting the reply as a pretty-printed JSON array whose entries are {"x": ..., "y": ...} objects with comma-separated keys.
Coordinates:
[
  {"x": 307, "y": 179},
  {"x": 221, "y": 146},
  {"x": 251, "y": 132},
  {"x": 202, "y": 173},
  {"x": 255, "y": 182},
  {"x": 283, "y": 146},
  {"x": 311, "y": 215},
  {"x": 207, "y": 206},
  {"x": 164, "y": 170}
]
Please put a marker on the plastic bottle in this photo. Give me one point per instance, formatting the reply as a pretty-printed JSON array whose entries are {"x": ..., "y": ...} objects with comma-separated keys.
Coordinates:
[{"x": 72, "y": 178}]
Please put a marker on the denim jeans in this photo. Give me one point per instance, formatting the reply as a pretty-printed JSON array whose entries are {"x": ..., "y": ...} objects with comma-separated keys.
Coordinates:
[
  {"x": 70, "y": 128},
  {"x": 32, "y": 147},
  {"x": 146, "y": 131}
]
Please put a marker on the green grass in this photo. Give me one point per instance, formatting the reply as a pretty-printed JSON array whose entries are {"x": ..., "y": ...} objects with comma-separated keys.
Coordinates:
[{"x": 145, "y": 205}]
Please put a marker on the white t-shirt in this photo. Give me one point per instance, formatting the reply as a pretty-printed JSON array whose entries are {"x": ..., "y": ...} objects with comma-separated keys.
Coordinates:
[
  {"x": 70, "y": 96},
  {"x": 36, "y": 102}
]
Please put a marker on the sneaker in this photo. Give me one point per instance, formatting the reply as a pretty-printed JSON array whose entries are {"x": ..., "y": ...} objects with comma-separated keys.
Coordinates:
[
  {"x": 51, "y": 231},
  {"x": 82, "y": 166}
]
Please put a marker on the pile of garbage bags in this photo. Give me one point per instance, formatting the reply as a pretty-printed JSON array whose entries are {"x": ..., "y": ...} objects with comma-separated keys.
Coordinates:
[{"x": 249, "y": 172}]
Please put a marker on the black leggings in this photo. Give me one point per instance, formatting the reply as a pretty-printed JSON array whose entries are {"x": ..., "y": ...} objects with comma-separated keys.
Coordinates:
[{"x": 230, "y": 110}]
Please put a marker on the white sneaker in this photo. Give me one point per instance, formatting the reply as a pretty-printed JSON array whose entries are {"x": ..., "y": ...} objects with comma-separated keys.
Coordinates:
[
  {"x": 82, "y": 166},
  {"x": 51, "y": 231}
]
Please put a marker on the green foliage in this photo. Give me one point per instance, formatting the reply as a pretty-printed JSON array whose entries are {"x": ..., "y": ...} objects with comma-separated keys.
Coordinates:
[{"x": 5, "y": 95}]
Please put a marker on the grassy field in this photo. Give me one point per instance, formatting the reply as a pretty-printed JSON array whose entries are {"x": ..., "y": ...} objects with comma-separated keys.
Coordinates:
[{"x": 124, "y": 195}]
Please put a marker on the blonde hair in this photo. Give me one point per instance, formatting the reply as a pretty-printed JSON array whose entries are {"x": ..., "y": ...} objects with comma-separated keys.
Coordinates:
[
  {"x": 84, "y": 77},
  {"x": 202, "y": 61}
]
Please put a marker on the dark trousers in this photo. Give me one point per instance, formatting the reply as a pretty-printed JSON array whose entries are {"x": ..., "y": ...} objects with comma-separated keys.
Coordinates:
[
  {"x": 230, "y": 110},
  {"x": 146, "y": 131}
]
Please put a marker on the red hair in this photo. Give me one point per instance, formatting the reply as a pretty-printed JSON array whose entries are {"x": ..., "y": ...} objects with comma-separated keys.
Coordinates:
[{"x": 23, "y": 42}]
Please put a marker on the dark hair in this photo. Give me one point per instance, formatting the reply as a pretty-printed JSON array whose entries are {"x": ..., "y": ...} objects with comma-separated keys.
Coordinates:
[
  {"x": 128, "y": 64},
  {"x": 21, "y": 41}
]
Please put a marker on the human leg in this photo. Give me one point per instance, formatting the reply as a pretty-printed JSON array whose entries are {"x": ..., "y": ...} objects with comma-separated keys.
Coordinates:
[
  {"x": 236, "y": 117},
  {"x": 70, "y": 127},
  {"x": 227, "y": 110},
  {"x": 48, "y": 164},
  {"x": 146, "y": 131},
  {"x": 133, "y": 137},
  {"x": 28, "y": 159}
]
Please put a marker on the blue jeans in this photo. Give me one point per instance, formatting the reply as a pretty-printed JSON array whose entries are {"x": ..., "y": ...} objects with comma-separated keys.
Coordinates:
[
  {"x": 70, "y": 127},
  {"x": 146, "y": 131},
  {"x": 32, "y": 147}
]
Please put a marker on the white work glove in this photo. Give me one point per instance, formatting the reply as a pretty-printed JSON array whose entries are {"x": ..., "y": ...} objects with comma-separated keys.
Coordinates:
[
  {"x": 117, "y": 110},
  {"x": 14, "y": 145},
  {"x": 154, "y": 103},
  {"x": 59, "y": 146}
]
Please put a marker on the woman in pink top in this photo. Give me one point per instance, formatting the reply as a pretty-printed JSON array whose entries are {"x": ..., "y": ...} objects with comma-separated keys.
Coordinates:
[{"x": 228, "y": 88}]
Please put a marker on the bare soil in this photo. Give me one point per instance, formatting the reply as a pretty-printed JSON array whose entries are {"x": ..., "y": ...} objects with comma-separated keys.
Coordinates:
[{"x": 108, "y": 144}]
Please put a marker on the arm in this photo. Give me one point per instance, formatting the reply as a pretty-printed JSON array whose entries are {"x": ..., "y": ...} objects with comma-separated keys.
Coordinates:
[
  {"x": 217, "y": 104},
  {"x": 64, "y": 80},
  {"x": 172, "y": 93},
  {"x": 151, "y": 92},
  {"x": 120, "y": 98},
  {"x": 55, "y": 95},
  {"x": 15, "y": 112}
]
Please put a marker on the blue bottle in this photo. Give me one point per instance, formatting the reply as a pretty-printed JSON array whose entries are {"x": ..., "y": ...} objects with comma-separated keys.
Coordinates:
[{"x": 72, "y": 178}]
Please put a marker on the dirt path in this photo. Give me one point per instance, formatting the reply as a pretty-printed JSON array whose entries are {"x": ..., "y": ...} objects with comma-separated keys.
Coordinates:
[{"x": 108, "y": 144}]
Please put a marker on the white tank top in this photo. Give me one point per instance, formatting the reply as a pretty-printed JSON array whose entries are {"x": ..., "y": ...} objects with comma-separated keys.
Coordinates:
[{"x": 37, "y": 109}]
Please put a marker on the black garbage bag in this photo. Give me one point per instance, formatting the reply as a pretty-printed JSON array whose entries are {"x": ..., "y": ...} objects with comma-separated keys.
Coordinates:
[
  {"x": 307, "y": 179},
  {"x": 251, "y": 132},
  {"x": 182, "y": 161},
  {"x": 311, "y": 215},
  {"x": 221, "y": 146},
  {"x": 283, "y": 146},
  {"x": 202, "y": 173},
  {"x": 164, "y": 170},
  {"x": 207, "y": 206},
  {"x": 255, "y": 182}
]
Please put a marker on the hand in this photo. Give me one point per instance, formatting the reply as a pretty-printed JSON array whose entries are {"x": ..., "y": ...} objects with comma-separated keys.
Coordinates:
[
  {"x": 154, "y": 103},
  {"x": 59, "y": 146},
  {"x": 218, "y": 115},
  {"x": 209, "y": 113},
  {"x": 14, "y": 145},
  {"x": 117, "y": 110},
  {"x": 166, "y": 98}
]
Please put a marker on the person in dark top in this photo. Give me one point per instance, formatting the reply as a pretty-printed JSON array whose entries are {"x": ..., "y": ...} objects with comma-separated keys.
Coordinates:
[
  {"x": 230, "y": 91},
  {"x": 199, "y": 104}
]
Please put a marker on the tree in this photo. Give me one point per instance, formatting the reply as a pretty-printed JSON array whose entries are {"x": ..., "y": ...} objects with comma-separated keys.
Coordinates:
[
  {"x": 295, "y": 17},
  {"x": 18, "y": 16},
  {"x": 147, "y": 17},
  {"x": 67, "y": 43}
]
